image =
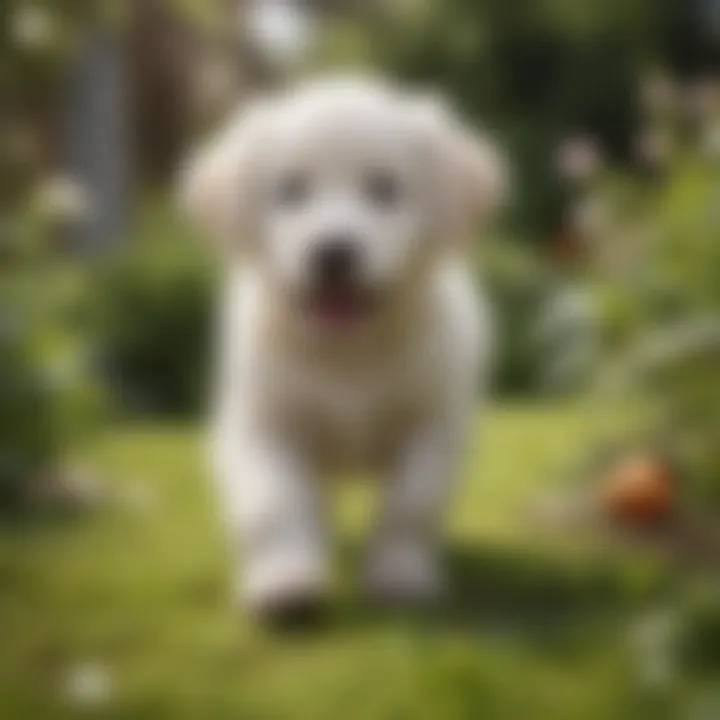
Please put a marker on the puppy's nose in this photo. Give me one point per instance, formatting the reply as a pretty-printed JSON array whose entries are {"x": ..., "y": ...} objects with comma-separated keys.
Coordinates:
[{"x": 335, "y": 260}]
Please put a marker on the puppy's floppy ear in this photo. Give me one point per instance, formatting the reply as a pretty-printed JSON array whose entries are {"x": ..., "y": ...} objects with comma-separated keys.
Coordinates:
[
  {"x": 472, "y": 174},
  {"x": 216, "y": 184}
]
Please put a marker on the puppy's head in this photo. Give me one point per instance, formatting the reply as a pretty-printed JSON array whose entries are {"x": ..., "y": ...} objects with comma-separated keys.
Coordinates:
[{"x": 343, "y": 193}]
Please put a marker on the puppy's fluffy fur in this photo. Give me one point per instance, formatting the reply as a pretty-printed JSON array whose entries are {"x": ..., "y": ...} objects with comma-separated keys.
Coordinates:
[{"x": 391, "y": 385}]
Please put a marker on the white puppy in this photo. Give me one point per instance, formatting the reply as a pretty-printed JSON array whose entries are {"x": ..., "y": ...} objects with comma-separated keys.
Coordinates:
[{"x": 351, "y": 337}]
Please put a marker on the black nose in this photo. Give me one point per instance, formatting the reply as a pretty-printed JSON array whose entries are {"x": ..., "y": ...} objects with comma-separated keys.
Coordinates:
[{"x": 335, "y": 260}]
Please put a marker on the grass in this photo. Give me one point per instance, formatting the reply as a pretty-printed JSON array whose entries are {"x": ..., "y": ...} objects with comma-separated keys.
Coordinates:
[{"x": 537, "y": 628}]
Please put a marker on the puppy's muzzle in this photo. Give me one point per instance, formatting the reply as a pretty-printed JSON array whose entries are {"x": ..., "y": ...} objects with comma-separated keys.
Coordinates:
[
  {"x": 338, "y": 296},
  {"x": 335, "y": 262}
]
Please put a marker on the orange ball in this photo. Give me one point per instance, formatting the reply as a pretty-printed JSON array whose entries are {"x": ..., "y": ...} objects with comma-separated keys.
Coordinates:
[{"x": 640, "y": 491}]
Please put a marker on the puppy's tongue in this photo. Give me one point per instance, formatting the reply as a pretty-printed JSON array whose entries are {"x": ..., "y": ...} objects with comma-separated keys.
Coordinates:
[{"x": 338, "y": 307}]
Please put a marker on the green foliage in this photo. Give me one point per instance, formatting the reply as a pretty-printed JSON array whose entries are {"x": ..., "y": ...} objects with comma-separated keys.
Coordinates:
[
  {"x": 517, "y": 286},
  {"x": 544, "y": 320},
  {"x": 48, "y": 397},
  {"x": 37, "y": 39},
  {"x": 662, "y": 313},
  {"x": 700, "y": 639},
  {"x": 153, "y": 317}
]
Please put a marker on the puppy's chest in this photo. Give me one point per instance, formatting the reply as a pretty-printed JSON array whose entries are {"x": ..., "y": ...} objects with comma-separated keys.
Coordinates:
[{"x": 349, "y": 419}]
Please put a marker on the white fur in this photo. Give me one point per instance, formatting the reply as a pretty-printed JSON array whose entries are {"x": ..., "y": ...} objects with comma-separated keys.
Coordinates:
[{"x": 396, "y": 396}]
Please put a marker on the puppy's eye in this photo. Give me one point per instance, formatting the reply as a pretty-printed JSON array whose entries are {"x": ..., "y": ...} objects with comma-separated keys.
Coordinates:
[
  {"x": 292, "y": 191},
  {"x": 383, "y": 189}
]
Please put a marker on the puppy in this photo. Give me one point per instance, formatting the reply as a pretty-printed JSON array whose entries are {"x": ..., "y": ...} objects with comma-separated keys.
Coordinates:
[{"x": 351, "y": 336}]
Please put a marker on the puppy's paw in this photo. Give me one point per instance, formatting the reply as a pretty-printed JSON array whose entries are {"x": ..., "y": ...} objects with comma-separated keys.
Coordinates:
[
  {"x": 404, "y": 572},
  {"x": 287, "y": 592}
]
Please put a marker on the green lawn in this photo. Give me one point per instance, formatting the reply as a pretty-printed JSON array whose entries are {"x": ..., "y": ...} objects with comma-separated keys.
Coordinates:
[{"x": 537, "y": 628}]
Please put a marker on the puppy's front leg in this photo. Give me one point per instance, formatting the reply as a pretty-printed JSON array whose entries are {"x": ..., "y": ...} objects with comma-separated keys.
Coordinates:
[
  {"x": 404, "y": 562},
  {"x": 271, "y": 504}
]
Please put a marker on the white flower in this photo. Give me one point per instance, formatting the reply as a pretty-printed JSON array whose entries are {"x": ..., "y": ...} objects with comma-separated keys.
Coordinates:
[
  {"x": 578, "y": 158},
  {"x": 63, "y": 198},
  {"x": 281, "y": 28},
  {"x": 89, "y": 684},
  {"x": 84, "y": 486},
  {"x": 32, "y": 26}
]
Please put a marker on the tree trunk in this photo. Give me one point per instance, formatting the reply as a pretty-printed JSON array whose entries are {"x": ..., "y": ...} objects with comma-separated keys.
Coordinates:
[{"x": 95, "y": 146}]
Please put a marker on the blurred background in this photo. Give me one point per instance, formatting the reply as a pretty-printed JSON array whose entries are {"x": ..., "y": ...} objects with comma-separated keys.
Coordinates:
[{"x": 585, "y": 542}]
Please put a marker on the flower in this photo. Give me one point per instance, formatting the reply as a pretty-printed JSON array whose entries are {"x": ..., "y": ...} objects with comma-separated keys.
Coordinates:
[
  {"x": 88, "y": 684},
  {"x": 32, "y": 26},
  {"x": 281, "y": 28},
  {"x": 64, "y": 198},
  {"x": 578, "y": 158}
]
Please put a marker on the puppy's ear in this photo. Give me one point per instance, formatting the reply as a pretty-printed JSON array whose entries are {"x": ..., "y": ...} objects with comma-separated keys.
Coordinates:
[
  {"x": 471, "y": 173},
  {"x": 216, "y": 185}
]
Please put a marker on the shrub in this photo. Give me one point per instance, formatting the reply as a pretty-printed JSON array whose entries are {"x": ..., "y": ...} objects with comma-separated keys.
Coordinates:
[
  {"x": 153, "y": 318},
  {"x": 49, "y": 397},
  {"x": 545, "y": 322},
  {"x": 662, "y": 313}
]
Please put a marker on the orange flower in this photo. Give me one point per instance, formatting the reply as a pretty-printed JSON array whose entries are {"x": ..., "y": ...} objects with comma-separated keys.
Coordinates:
[{"x": 640, "y": 490}]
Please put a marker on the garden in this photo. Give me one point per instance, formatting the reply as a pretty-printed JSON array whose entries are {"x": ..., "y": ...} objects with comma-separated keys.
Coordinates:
[{"x": 584, "y": 541}]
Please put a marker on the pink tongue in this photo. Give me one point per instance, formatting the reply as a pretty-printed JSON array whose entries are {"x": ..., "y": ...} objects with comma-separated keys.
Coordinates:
[{"x": 338, "y": 308}]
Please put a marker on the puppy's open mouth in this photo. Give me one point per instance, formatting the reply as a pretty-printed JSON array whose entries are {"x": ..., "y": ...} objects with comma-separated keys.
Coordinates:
[{"x": 340, "y": 306}]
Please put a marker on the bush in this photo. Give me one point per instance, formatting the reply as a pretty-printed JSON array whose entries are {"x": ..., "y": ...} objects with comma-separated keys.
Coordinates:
[
  {"x": 516, "y": 287},
  {"x": 49, "y": 397},
  {"x": 545, "y": 322},
  {"x": 153, "y": 318},
  {"x": 662, "y": 303}
]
